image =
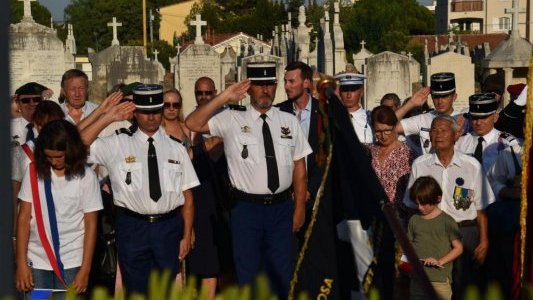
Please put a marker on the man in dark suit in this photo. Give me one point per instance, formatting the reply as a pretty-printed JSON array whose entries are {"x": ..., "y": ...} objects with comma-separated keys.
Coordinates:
[{"x": 298, "y": 84}]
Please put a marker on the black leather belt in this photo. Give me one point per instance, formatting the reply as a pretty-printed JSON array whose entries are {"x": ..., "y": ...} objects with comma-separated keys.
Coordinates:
[
  {"x": 149, "y": 218},
  {"x": 267, "y": 199},
  {"x": 467, "y": 223}
]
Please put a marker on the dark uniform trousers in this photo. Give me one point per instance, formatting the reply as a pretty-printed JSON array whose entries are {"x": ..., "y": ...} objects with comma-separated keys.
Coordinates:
[
  {"x": 464, "y": 270},
  {"x": 143, "y": 246},
  {"x": 262, "y": 237}
]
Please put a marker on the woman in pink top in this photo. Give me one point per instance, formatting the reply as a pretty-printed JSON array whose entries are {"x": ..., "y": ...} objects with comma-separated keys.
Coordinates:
[{"x": 391, "y": 159}]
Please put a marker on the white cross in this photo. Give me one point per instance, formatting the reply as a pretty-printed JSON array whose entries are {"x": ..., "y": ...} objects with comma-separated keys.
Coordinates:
[
  {"x": 515, "y": 11},
  {"x": 27, "y": 9},
  {"x": 178, "y": 48},
  {"x": 155, "y": 54},
  {"x": 114, "y": 24},
  {"x": 363, "y": 43},
  {"x": 198, "y": 23}
]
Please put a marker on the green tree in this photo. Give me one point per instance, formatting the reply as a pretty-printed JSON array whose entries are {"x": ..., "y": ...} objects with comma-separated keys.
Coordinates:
[
  {"x": 40, "y": 13},
  {"x": 384, "y": 24}
]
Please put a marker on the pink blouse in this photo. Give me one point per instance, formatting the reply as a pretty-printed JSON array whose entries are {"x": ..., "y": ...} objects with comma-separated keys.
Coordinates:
[{"x": 393, "y": 172}]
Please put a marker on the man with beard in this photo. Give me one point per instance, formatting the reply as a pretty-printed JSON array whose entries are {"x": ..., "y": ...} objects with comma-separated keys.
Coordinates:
[{"x": 265, "y": 149}]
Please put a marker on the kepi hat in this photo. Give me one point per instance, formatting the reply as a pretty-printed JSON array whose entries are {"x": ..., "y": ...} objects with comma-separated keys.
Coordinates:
[
  {"x": 148, "y": 97},
  {"x": 262, "y": 72},
  {"x": 442, "y": 84},
  {"x": 482, "y": 105}
]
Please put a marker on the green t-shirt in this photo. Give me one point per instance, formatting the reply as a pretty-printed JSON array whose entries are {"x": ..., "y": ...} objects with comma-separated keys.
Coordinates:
[{"x": 433, "y": 238}]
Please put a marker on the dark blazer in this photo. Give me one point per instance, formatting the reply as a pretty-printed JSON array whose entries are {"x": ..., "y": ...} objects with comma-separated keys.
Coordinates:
[{"x": 314, "y": 172}]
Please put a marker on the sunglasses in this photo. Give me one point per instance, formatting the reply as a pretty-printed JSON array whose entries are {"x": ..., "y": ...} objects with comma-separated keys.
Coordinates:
[
  {"x": 31, "y": 99},
  {"x": 175, "y": 105},
  {"x": 204, "y": 93}
]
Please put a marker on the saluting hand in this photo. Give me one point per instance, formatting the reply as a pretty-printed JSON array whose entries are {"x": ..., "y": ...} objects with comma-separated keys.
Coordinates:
[
  {"x": 420, "y": 97},
  {"x": 237, "y": 91},
  {"x": 111, "y": 100}
]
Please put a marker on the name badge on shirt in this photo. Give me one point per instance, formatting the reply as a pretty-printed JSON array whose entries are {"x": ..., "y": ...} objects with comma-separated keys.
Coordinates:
[{"x": 174, "y": 161}]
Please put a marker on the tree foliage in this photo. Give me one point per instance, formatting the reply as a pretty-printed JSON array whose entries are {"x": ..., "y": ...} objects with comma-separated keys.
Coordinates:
[
  {"x": 40, "y": 13},
  {"x": 384, "y": 24}
]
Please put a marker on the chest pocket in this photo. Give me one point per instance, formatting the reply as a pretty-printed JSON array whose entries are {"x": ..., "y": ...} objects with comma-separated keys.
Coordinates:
[
  {"x": 247, "y": 149},
  {"x": 173, "y": 174},
  {"x": 131, "y": 176},
  {"x": 285, "y": 148}
]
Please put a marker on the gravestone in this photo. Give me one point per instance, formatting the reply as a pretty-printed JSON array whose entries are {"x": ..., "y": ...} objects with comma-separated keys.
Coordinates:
[
  {"x": 302, "y": 37},
  {"x": 462, "y": 67},
  {"x": 121, "y": 64},
  {"x": 280, "y": 67},
  {"x": 37, "y": 54},
  {"x": 359, "y": 59},
  {"x": 338, "y": 42},
  {"x": 389, "y": 72},
  {"x": 228, "y": 60},
  {"x": 328, "y": 62}
]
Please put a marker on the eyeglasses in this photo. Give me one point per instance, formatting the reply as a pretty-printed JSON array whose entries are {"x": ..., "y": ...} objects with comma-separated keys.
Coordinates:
[
  {"x": 31, "y": 99},
  {"x": 384, "y": 131},
  {"x": 204, "y": 93},
  {"x": 176, "y": 105}
]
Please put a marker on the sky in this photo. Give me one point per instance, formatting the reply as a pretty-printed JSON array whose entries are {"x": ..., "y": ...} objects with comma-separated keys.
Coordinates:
[{"x": 56, "y": 7}]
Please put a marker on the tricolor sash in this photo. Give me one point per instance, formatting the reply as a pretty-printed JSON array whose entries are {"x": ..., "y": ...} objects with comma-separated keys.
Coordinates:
[{"x": 54, "y": 258}]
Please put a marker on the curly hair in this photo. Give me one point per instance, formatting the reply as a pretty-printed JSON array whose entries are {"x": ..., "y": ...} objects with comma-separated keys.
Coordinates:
[{"x": 61, "y": 135}]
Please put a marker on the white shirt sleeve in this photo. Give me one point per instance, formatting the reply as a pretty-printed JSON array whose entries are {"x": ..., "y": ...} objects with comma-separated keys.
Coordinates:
[
  {"x": 190, "y": 179},
  {"x": 302, "y": 147},
  {"x": 411, "y": 125},
  {"x": 100, "y": 150},
  {"x": 92, "y": 196},
  {"x": 25, "y": 189},
  {"x": 17, "y": 164},
  {"x": 219, "y": 123}
]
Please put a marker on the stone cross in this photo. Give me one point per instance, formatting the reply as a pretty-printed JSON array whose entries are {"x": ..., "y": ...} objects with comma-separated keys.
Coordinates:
[
  {"x": 198, "y": 23},
  {"x": 336, "y": 10},
  {"x": 114, "y": 24},
  {"x": 515, "y": 11},
  {"x": 363, "y": 43},
  {"x": 178, "y": 48},
  {"x": 27, "y": 10},
  {"x": 155, "y": 54}
]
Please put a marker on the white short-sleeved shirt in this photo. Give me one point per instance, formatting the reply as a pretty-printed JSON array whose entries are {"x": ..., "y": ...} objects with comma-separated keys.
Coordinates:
[
  {"x": 122, "y": 154},
  {"x": 462, "y": 178},
  {"x": 493, "y": 144},
  {"x": 72, "y": 199},
  {"x": 503, "y": 170},
  {"x": 245, "y": 151},
  {"x": 361, "y": 124},
  {"x": 87, "y": 109},
  {"x": 19, "y": 131},
  {"x": 20, "y": 162}
]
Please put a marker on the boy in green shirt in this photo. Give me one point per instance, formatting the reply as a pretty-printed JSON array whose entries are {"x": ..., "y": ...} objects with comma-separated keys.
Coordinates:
[{"x": 435, "y": 237}]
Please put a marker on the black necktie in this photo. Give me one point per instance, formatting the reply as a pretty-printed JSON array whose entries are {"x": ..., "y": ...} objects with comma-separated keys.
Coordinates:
[
  {"x": 272, "y": 166},
  {"x": 153, "y": 172},
  {"x": 29, "y": 135},
  {"x": 478, "y": 153}
]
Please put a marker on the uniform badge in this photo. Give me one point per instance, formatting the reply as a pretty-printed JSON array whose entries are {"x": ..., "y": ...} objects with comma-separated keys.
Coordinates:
[
  {"x": 426, "y": 143},
  {"x": 130, "y": 159},
  {"x": 286, "y": 133},
  {"x": 244, "y": 153},
  {"x": 245, "y": 129}
]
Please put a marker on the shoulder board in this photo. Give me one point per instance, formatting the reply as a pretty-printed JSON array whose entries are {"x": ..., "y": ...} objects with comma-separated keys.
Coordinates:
[
  {"x": 508, "y": 138},
  {"x": 123, "y": 131},
  {"x": 237, "y": 107},
  {"x": 177, "y": 140}
]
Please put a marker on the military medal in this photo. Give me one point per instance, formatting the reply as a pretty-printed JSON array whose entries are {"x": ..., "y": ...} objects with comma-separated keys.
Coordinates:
[
  {"x": 128, "y": 178},
  {"x": 459, "y": 181},
  {"x": 286, "y": 133},
  {"x": 129, "y": 160},
  {"x": 244, "y": 153}
]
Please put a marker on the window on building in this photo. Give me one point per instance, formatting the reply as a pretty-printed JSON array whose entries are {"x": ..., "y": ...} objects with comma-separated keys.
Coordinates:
[{"x": 504, "y": 23}]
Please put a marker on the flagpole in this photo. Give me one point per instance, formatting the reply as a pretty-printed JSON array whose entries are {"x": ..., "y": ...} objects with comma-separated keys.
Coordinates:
[{"x": 144, "y": 29}]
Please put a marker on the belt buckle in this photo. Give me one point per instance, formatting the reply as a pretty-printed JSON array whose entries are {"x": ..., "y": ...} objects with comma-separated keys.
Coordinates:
[
  {"x": 153, "y": 219},
  {"x": 267, "y": 200}
]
